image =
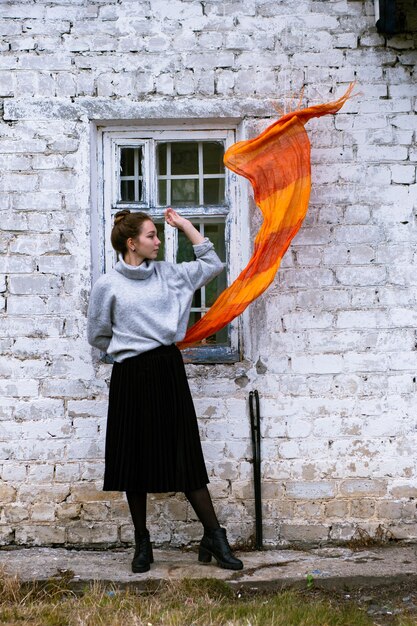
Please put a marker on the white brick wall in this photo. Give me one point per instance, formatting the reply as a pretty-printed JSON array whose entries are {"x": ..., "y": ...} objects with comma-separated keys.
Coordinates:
[{"x": 330, "y": 346}]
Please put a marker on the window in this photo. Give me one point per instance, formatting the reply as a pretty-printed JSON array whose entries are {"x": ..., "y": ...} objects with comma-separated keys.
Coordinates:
[{"x": 148, "y": 170}]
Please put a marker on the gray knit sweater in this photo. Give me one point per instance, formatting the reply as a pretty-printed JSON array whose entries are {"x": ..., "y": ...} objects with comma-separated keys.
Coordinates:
[{"x": 135, "y": 309}]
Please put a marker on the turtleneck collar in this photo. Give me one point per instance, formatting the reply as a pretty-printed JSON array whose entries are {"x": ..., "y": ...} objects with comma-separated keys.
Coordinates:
[{"x": 137, "y": 272}]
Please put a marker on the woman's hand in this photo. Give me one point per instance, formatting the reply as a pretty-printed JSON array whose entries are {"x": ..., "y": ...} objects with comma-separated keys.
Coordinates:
[
  {"x": 177, "y": 221},
  {"x": 173, "y": 219}
]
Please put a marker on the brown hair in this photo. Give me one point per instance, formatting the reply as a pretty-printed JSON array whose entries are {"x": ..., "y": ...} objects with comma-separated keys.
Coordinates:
[{"x": 126, "y": 225}]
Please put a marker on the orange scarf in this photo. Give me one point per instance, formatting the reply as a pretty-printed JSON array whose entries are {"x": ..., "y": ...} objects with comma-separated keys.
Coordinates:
[{"x": 277, "y": 163}]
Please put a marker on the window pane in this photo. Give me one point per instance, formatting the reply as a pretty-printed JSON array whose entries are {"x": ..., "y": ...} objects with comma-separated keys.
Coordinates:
[
  {"x": 131, "y": 175},
  {"x": 127, "y": 161},
  {"x": 214, "y": 288},
  {"x": 213, "y": 157},
  {"x": 215, "y": 232},
  {"x": 194, "y": 317},
  {"x": 161, "y": 152},
  {"x": 220, "y": 338},
  {"x": 185, "y": 250},
  {"x": 127, "y": 190},
  {"x": 184, "y": 192},
  {"x": 184, "y": 158},
  {"x": 162, "y": 192},
  {"x": 196, "y": 303},
  {"x": 214, "y": 191},
  {"x": 161, "y": 236},
  {"x": 211, "y": 291}
]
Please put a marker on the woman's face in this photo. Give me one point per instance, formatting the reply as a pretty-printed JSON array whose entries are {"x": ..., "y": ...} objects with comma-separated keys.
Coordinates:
[{"x": 147, "y": 242}]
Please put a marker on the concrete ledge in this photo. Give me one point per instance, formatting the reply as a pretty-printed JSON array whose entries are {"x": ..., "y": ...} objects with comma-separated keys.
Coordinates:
[
  {"x": 328, "y": 567},
  {"x": 148, "y": 108}
]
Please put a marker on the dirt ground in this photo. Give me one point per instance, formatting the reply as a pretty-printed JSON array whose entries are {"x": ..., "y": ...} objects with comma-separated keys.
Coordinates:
[{"x": 383, "y": 604}]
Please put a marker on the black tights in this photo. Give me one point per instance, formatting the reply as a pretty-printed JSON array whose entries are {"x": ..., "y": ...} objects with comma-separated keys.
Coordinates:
[{"x": 199, "y": 499}]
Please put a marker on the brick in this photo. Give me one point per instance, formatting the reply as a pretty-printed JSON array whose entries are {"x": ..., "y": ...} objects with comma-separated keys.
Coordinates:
[
  {"x": 37, "y": 305},
  {"x": 13, "y": 472},
  {"x": 403, "y": 174},
  {"x": 310, "y": 490},
  {"x": 67, "y": 472},
  {"x": 40, "y": 535},
  {"x": 15, "y": 513},
  {"x": 43, "y": 513},
  {"x": 317, "y": 364},
  {"x": 16, "y": 264},
  {"x": 404, "y": 491},
  {"x": 403, "y": 531},
  {"x": 311, "y": 533},
  {"x": 34, "y": 245},
  {"x": 337, "y": 509},
  {"x": 95, "y": 511},
  {"x": 33, "y": 284},
  {"x": 88, "y": 493},
  {"x": 312, "y": 510},
  {"x": 389, "y": 510},
  {"x": 67, "y": 511},
  {"x": 44, "y": 494},
  {"x": 362, "y": 509},
  {"x": 363, "y": 487},
  {"x": 19, "y": 388},
  {"x": 41, "y": 472},
  {"x": 7, "y": 493},
  {"x": 6, "y": 535},
  {"x": 82, "y": 535}
]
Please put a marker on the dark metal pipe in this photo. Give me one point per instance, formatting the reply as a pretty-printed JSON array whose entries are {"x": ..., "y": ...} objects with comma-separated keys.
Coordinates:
[{"x": 255, "y": 422}]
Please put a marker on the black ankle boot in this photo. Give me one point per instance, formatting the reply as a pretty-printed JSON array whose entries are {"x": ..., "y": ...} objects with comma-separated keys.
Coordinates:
[
  {"x": 143, "y": 553},
  {"x": 214, "y": 543}
]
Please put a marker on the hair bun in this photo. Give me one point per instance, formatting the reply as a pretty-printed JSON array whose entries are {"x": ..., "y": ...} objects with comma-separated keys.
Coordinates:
[{"x": 120, "y": 215}]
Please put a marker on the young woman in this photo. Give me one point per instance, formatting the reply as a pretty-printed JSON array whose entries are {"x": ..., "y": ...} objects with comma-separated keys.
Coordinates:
[{"x": 137, "y": 313}]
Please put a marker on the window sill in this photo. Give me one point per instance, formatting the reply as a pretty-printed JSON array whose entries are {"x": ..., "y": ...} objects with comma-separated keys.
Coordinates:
[
  {"x": 210, "y": 354},
  {"x": 200, "y": 355}
]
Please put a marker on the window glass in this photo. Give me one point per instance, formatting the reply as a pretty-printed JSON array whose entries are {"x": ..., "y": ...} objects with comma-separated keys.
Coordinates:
[
  {"x": 184, "y": 193},
  {"x": 190, "y": 173},
  {"x": 206, "y": 296},
  {"x": 213, "y": 191},
  {"x": 214, "y": 289},
  {"x": 161, "y": 154},
  {"x": 162, "y": 193},
  {"x": 127, "y": 162},
  {"x": 215, "y": 232},
  {"x": 184, "y": 158},
  {"x": 161, "y": 236},
  {"x": 213, "y": 157},
  {"x": 131, "y": 179},
  {"x": 127, "y": 190},
  {"x": 185, "y": 251}
]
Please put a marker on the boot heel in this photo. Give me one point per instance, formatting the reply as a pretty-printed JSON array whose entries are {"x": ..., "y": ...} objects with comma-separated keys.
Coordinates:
[{"x": 203, "y": 555}]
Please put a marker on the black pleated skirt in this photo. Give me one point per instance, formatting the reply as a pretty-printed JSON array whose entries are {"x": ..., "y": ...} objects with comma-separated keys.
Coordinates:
[{"x": 152, "y": 440}]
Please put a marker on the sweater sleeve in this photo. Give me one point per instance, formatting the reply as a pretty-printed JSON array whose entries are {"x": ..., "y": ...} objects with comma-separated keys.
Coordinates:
[
  {"x": 99, "y": 319},
  {"x": 205, "y": 267}
]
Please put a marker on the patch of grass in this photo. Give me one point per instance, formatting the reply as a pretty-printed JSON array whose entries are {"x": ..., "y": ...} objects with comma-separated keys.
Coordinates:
[{"x": 201, "y": 602}]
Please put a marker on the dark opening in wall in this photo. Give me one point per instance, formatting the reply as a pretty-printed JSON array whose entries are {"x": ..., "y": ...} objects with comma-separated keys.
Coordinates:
[{"x": 396, "y": 16}]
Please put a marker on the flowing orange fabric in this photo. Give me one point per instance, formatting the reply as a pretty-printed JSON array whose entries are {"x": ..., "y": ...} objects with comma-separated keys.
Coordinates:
[{"x": 277, "y": 163}]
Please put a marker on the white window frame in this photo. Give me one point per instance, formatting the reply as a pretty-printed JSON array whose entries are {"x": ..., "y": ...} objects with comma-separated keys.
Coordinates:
[{"x": 108, "y": 141}]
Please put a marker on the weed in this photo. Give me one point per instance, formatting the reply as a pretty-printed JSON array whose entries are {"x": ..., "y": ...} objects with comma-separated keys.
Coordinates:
[
  {"x": 310, "y": 581},
  {"x": 362, "y": 539}
]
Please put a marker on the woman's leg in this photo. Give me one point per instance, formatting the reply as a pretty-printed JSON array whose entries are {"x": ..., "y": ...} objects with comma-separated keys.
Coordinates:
[
  {"x": 143, "y": 551},
  {"x": 202, "y": 504},
  {"x": 137, "y": 506},
  {"x": 214, "y": 542}
]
